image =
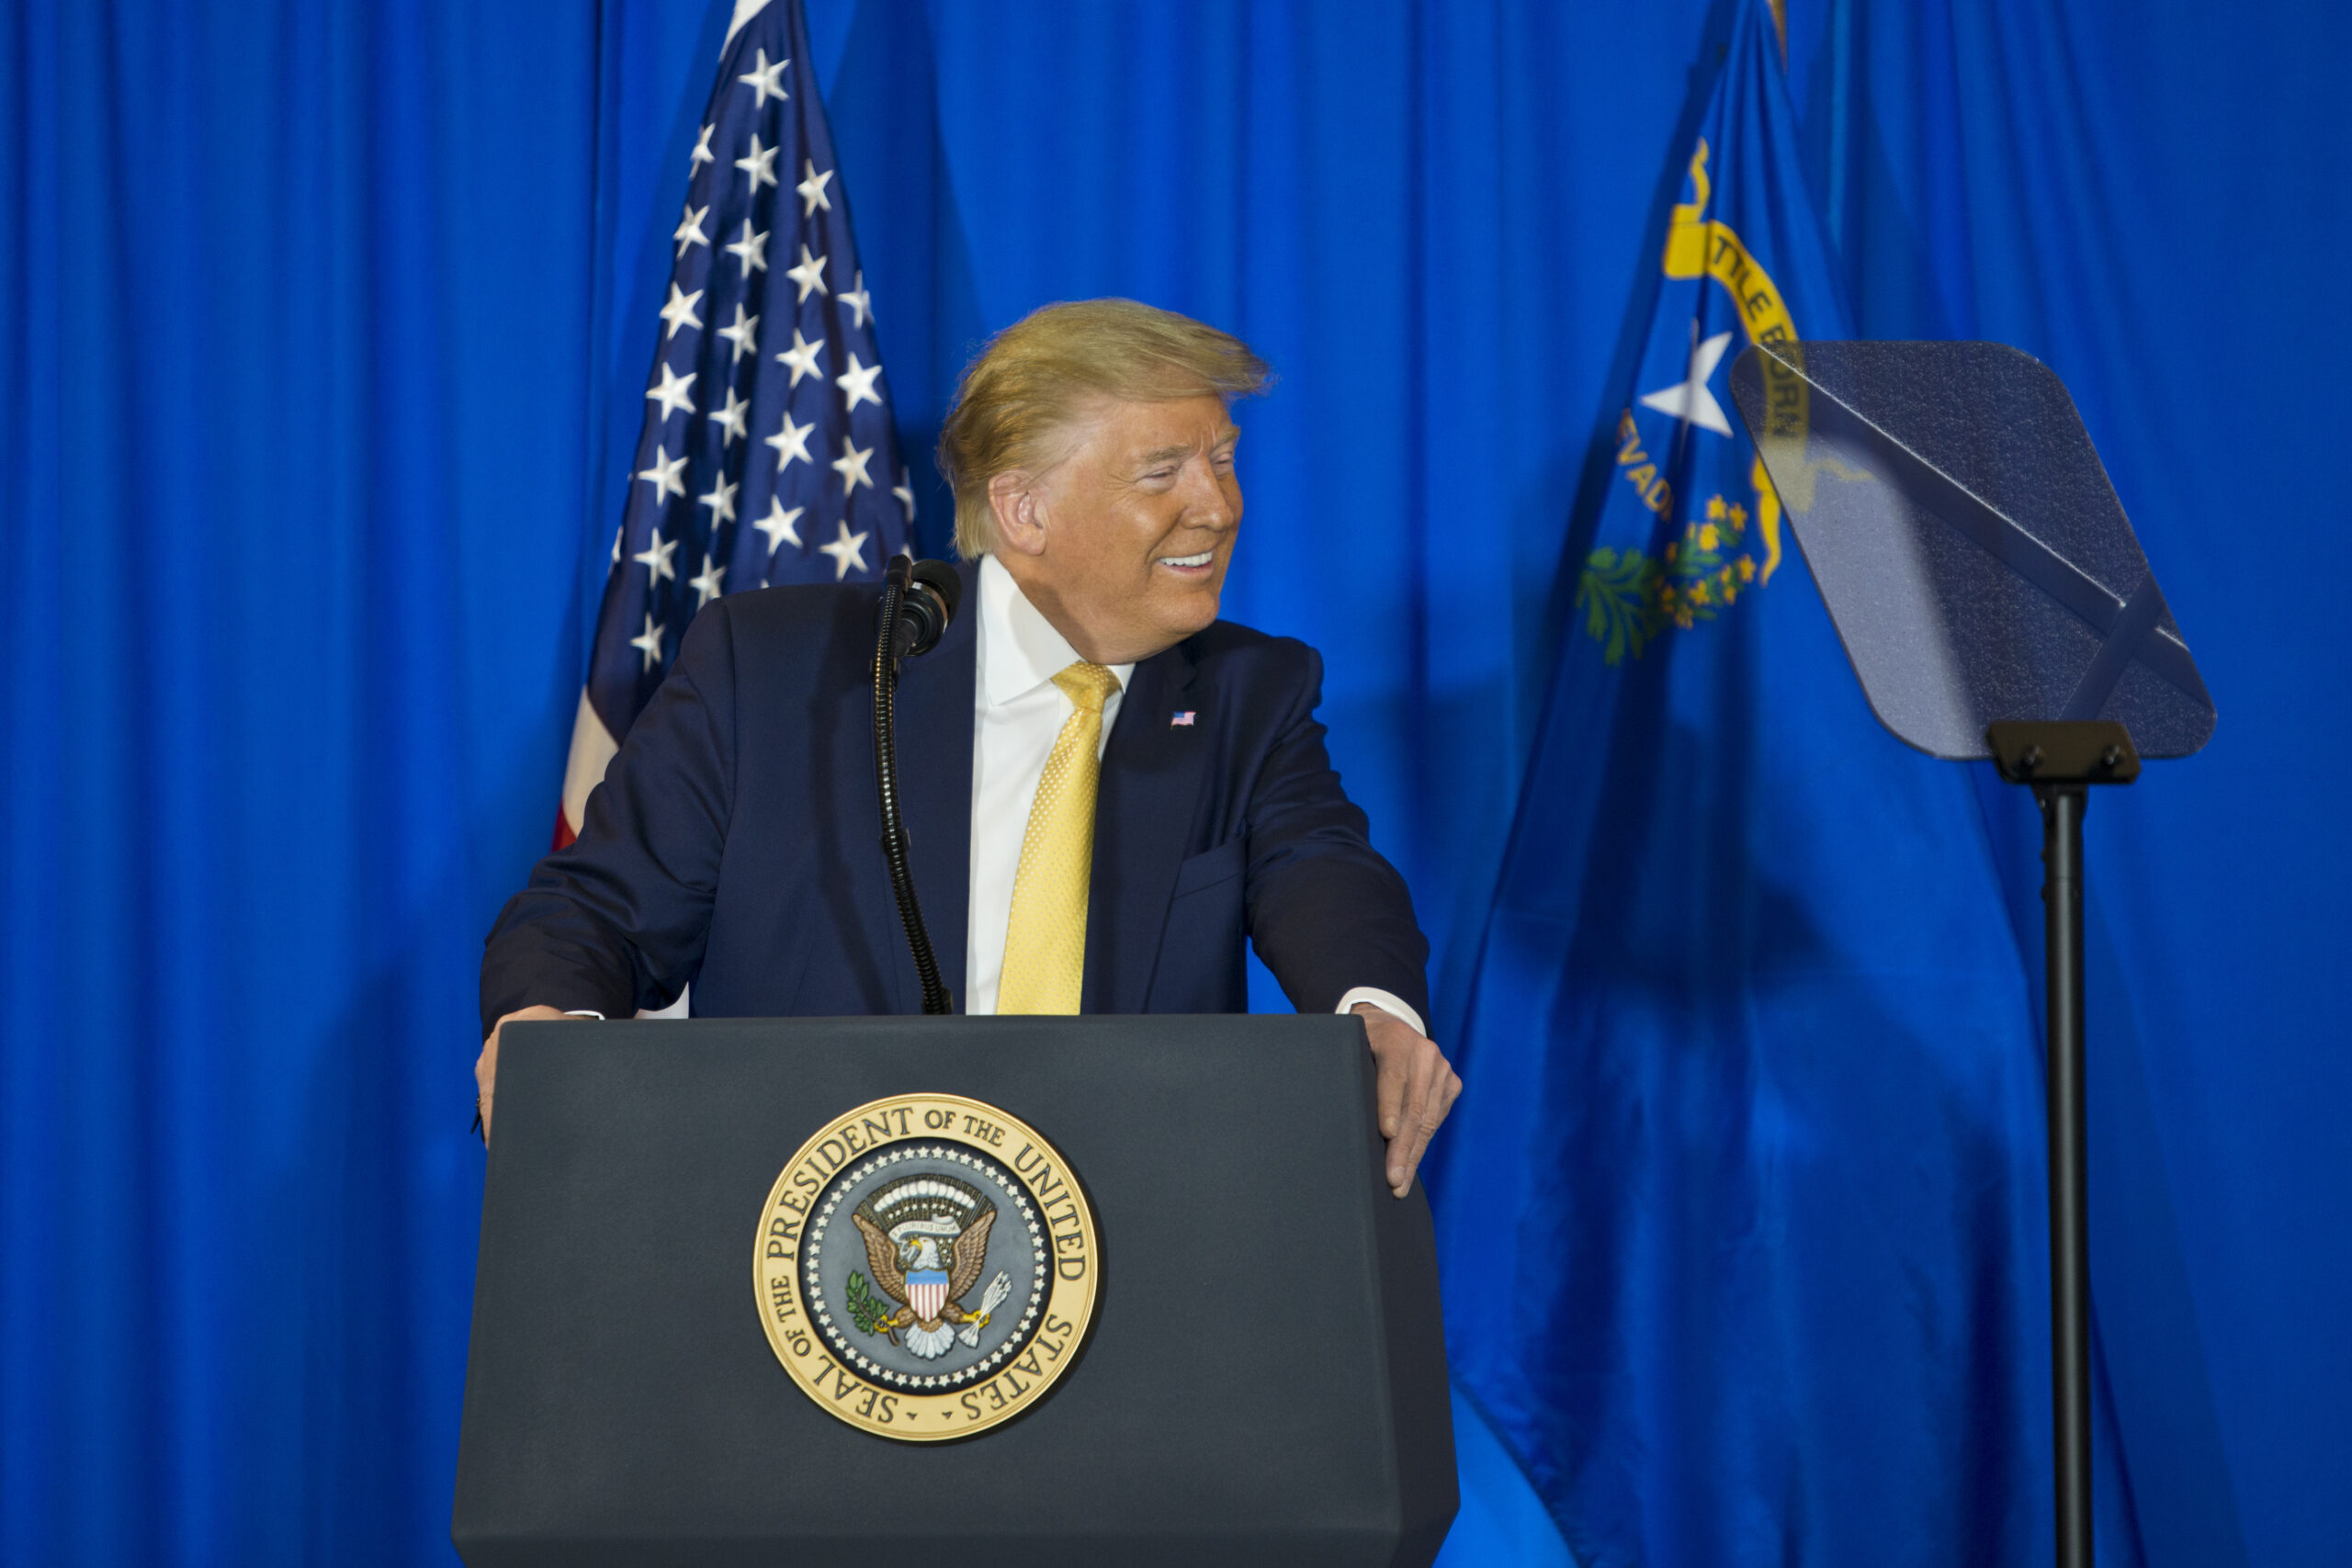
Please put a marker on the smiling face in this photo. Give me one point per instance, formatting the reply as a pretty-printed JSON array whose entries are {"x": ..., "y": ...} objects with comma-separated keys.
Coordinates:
[{"x": 1122, "y": 544}]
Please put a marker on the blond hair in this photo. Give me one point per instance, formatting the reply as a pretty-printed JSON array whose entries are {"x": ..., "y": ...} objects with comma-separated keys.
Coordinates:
[{"x": 1036, "y": 378}]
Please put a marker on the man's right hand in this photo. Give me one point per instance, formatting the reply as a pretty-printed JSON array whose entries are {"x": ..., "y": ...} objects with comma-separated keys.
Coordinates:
[{"x": 486, "y": 1065}]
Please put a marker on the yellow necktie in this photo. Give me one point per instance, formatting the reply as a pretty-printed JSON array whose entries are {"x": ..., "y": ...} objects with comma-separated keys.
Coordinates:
[{"x": 1045, "y": 940}]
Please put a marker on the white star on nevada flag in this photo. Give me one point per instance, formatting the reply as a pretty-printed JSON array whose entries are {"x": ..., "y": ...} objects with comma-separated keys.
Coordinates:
[{"x": 1691, "y": 401}]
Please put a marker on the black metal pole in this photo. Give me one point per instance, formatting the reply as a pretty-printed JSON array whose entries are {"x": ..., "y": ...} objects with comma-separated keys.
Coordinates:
[{"x": 2070, "y": 1273}]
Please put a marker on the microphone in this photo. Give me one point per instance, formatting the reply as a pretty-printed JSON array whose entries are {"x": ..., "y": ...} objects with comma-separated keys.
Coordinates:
[
  {"x": 918, "y": 601},
  {"x": 928, "y": 592}
]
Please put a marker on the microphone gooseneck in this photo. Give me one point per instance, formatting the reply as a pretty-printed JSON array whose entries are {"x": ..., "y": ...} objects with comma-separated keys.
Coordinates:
[{"x": 916, "y": 608}]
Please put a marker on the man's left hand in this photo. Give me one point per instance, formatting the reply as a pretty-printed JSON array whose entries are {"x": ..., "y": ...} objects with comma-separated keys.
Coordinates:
[{"x": 1417, "y": 1086}]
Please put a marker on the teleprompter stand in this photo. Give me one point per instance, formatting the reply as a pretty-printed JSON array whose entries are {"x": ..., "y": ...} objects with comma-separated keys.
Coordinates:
[
  {"x": 1995, "y": 604},
  {"x": 1263, "y": 1382},
  {"x": 2061, "y": 760}
]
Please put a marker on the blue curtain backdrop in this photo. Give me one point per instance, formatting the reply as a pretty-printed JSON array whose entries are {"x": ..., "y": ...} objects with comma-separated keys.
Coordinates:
[{"x": 324, "y": 329}]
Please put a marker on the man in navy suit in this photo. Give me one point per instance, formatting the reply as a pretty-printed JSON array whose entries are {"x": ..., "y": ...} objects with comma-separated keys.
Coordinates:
[{"x": 731, "y": 845}]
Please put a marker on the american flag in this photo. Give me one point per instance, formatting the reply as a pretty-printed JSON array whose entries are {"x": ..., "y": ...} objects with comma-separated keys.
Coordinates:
[{"x": 768, "y": 455}]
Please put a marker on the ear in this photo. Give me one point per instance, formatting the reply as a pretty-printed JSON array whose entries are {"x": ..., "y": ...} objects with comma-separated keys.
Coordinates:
[{"x": 1020, "y": 524}]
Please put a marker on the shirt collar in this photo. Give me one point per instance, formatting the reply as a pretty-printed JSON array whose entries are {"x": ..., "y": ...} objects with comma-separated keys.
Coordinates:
[{"x": 1020, "y": 650}]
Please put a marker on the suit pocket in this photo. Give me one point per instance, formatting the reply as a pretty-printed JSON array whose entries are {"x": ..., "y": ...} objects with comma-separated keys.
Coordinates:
[{"x": 1210, "y": 868}]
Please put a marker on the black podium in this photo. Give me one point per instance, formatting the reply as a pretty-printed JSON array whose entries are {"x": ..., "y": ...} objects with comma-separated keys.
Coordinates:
[{"x": 1262, "y": 1380}]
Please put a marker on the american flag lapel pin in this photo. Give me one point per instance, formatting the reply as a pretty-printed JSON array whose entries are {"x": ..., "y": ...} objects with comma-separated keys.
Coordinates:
[{"x": 1181, "y": 720}]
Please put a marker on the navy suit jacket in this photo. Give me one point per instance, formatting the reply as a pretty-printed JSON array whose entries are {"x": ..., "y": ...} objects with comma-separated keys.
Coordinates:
[{"x": 735, "y": 842}]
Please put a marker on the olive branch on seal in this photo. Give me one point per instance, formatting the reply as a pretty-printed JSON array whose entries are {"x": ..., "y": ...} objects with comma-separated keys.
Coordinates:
[{"x": 864, "y": 1310}]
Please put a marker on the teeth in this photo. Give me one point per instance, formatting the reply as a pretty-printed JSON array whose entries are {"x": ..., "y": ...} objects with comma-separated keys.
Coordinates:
[{"x": 1201, "y": 559}]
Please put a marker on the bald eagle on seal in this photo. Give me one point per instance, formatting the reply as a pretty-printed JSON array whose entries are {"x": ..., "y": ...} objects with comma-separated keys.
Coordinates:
[{"x": 926, "y": 1265}]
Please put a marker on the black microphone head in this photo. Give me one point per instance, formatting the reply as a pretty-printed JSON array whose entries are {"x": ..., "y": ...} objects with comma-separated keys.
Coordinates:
[
  {"x": 945, "y": 580},
  {"x": 931, "y": 591}
]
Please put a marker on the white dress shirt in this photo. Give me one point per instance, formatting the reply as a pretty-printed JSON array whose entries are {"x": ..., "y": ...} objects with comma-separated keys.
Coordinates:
[{"x": 1017, "y": 714}]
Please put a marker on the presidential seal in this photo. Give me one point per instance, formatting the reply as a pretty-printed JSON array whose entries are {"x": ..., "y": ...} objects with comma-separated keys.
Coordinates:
[{"x": 926, "y": 1266}]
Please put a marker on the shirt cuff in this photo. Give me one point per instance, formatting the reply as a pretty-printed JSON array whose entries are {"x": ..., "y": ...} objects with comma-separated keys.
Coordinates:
[
  {"x": 1386, "y": 1003},
  {"x": 583, "y": 1012}
]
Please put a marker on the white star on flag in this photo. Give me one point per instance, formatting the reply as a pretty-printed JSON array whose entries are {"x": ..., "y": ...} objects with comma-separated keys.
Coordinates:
[
  {"x": 812, "y": 189},
  {"x": 1691, "y": 401},
  {"x": 856, "y": 300},
  {"x": 743, "y": 335},
  {"x": 759, "y": 164},
  {"x": 779, "y": 524},
  {"x": 707, "y": 587},
  {"x": 655, "y": 559},
  {"x": 750, "y": 251},
  {"x": 649, "y": 641},
  {"x": 702, "y": 153},
  {"x": 801, "y": 355},
  {"x": 721, "y": 502},
  {"x": 851, "y": 466},
  {"x": 689, "y": 232},
  {"x": 857, "y": 383},
  {"x": 734, "y": 418},
  {"x": 810, "y": 274},
  {"x": 676, "y": 392},
  {"x": 905, "y": 490},
  {"x": 680, "y": 311},
  {"x": 766, "y": 80},
  {"x": 664, "y": 475},
  {"x": 848, "y": 551},
  {"x": 790, "y": 442}
]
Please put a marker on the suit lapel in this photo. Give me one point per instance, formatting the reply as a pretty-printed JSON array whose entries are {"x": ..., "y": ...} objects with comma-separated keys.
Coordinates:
[
  {"x": 1143, "y": 821},
  {"x": 935, "y": 696}
]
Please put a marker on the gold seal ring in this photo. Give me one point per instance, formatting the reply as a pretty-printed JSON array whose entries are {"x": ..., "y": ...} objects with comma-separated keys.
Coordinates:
[{"x": 926, "y": 1266}]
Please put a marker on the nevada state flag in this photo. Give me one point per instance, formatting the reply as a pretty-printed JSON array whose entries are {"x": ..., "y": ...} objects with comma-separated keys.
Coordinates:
[{"x": 1741, "y": 1212}]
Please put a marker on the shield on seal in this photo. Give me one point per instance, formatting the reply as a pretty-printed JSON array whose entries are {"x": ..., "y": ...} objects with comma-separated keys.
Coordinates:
[{"x": 927, "y": 1293}]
